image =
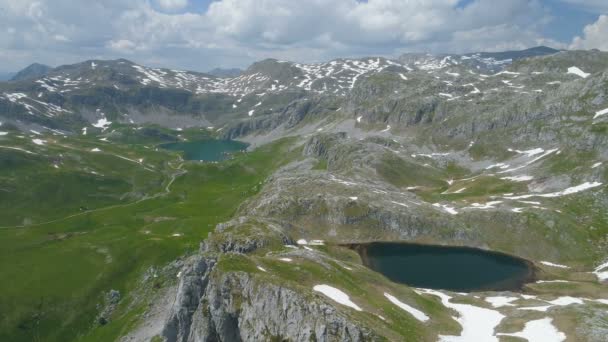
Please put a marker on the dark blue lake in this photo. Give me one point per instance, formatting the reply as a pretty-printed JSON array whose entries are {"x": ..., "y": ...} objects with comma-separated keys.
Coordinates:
[
  {"x": 206, "y": 150},
  {"x": 449, "y": 268}
]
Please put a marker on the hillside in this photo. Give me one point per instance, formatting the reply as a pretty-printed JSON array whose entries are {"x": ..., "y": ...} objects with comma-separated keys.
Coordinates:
[
  {"x": 32, "y": 71},
  {"x": 502, "y": 152}
]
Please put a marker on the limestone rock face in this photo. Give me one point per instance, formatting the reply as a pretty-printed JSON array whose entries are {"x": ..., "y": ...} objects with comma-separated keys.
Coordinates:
[
  {"x": 211, "y": 305},
  {"x": 236, "y": 307}
]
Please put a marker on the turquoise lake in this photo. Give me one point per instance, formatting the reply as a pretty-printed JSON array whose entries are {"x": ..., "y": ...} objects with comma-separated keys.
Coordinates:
[
  {"x": 450, "y": 268},
  {"x": 206, "y": 150}
]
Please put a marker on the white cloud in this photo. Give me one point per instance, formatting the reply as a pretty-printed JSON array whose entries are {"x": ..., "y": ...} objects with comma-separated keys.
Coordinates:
[
  {"x": 237, "y": 32},
  {"x": 594, "y": 36},
  {"x": 499, "y": 38},
  {"x": 373, "y": 23},
  {"x": 173, "y": 5},
  {"x": 61, "y": 38},
  {"x": 121, "y": 45}
]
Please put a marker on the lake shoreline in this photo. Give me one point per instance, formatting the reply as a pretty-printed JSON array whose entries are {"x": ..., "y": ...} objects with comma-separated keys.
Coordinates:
[
  {"x": 362, "y": 250},
  {"x": 206, "y": 150}
]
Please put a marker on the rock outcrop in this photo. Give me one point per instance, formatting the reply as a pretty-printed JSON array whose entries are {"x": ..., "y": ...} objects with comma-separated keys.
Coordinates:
[{"x": 216, "y": 305}]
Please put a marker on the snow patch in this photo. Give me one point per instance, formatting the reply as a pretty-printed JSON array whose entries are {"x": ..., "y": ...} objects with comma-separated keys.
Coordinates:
[
  {"x": 537, "y": 308},
  {"x": 446, "y": 208},
  {"x": 600, "y": 113},
  {"x": 336, "y": 295},
  {"x": 568, "y": 191},
  {"x": 430, "y": 155},
  {"x": 39, "y": 141},
  {"x": 499, "y": 165},
  {"x": 500, "y": 301},
  {"x": 528, "y": 202},
  {"x": 565, "y": 301},
  {"x": 598, "y": 272},
  {"x": 505, "y": 72},
  {"x": 552, "y": 281},
  {"x": 419, "y": 315},
  {"x": 485, "y": 206},
  {"x": 539, "y": 330},
  {"x": 578, "y": 72},
  {"x": 547, "y": 263},
  {"x": 477, "y": 323},
  {"x": 529, "y": 153},
  {"x": 561, "y": 301},
  {"x": 522, "y": 178},
  {"x": 401, "y": 204},
  {"x": 303, "y": 242},
  {"x": 17, "y": 149},
  {"x": 102, "y": 123}
]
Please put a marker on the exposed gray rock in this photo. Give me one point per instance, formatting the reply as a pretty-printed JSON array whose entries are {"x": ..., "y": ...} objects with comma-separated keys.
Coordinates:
[
  {"x": 319, "y": 145},
  {"x": 194, "y": 278},
  {"x": 212, "y": 305},
  {"x": 237, "y": 307}
]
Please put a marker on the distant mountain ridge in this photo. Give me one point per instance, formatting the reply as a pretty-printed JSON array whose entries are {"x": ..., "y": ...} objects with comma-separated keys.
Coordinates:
[
  {"x": 482, "y": 61},
  {"x": 519, "y": 54},
  {"x": 501, "y": 151},
  {"x": 34, "y": 70},
  {"x": 71, "y": 97}
]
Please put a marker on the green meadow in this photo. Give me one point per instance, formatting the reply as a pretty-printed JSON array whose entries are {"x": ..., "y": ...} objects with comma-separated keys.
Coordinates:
[{"x": 78, "y": 223}]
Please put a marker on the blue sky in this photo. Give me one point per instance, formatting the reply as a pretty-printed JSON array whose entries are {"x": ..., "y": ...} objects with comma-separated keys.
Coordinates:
[
  {"x": 570, "y": 19},
  {"x": 202, "y": 34}
]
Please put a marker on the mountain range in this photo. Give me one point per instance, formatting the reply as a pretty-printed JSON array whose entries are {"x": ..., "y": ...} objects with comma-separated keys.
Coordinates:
[{"x": 502, "y": 152}]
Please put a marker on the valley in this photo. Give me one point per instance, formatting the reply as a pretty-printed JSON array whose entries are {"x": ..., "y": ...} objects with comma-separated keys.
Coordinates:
[
  {"x": 61, "y": 264},
  {"x": 147, "y": 204}
]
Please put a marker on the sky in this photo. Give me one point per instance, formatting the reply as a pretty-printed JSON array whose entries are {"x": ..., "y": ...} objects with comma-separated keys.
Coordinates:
[{"x": 204, "y": 34}]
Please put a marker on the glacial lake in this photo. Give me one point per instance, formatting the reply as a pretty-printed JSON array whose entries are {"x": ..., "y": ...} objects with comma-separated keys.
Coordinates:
[
  {"x": 206, "y": 150},
  {"x": 458, "y": 269}
]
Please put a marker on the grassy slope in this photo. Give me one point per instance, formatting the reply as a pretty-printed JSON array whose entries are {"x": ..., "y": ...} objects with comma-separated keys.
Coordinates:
[
  {"x": 365, "y": 287},
  {"x": 34, "y": 191},
  {"x": 56, "y": 273}
]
